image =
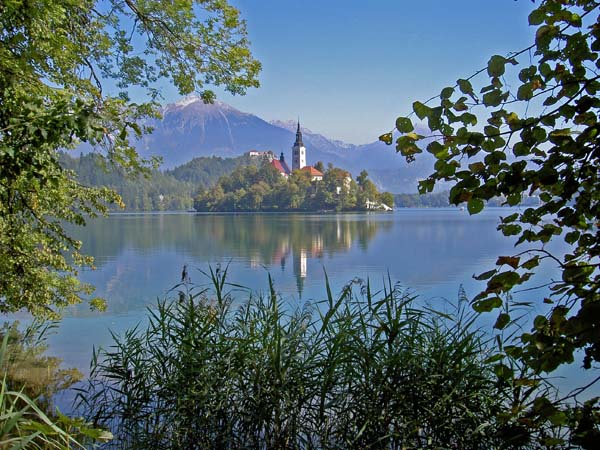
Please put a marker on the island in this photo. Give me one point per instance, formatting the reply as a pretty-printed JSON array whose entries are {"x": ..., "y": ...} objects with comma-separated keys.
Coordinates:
[
  {"x": 263, "y": 188},
  {"x": 270, "y": 185}
]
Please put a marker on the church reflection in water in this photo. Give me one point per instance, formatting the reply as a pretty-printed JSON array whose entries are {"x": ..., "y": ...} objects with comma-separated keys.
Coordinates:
[
  {"x": 139, "y": 256},
  {"x": 312, "y": 238}
]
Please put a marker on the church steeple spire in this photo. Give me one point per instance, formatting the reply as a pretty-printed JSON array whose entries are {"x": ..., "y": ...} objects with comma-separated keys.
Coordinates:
[
  {"x": 298, "y": 151},
  {"x": 298, "y": 136}
]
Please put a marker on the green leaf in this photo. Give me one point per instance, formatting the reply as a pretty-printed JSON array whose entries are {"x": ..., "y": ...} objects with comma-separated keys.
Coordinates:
[
  {"x": 477, "y": 167},
  {"x": 537, "y": 16},
  {"x": 491, "y": 131},
  {"x": 387, "y": 138},
  {"x": 493, "y": 98},
  {"x": 136, "y": 128},
  {"x": 521, "y": 149},
  {"x": 404, "y": 125},
  {"x": 539, "y": 134},
  {"x": 540, "y": 322},
  {"x": 468, "y": 119},
  {"x": 531, "y": 263},
  {"x": 447, "y": 93},
  {"x": 487, "y": 304},
  {"x": 560, "y": 132},
  {"x": 426, "y": 185},
  {"x": 485, "y": 275},
  {"x": 475, "y": 205},
  {"x": 496, "y": 66},
  {"x": 421, "y": 110},
  {"x": 494, "y": 358},
  {"x": 465, "y": 86},
  {"x": 572, "y": 237},
  {"x": 525, "y": 92},
  {"x": 503, "y": 281},
  {"x": 434, "y": 147},
  {"x": 502, "y": 321},
  {"x": 575, "y": 20},
  {"x": 545, "y": 70},
  {"x": 406, "y": 146},
  {"x": 544, "y": 36}
]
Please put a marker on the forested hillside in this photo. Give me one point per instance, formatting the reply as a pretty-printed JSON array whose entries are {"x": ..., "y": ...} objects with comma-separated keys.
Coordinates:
[
  {"x": 206, "y": 170},
  {"x": 157, "y": 190}
]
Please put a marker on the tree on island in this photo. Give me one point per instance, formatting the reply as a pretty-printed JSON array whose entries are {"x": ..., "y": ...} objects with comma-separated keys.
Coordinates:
[
  {"x": 253, "y": 188},
  {"x": 532, "y": 132},
  {"x": 56, "y": 62}
]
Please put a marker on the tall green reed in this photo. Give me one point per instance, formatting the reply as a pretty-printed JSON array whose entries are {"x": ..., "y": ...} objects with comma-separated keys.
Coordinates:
[
  {"x": 361, "y": 369},
  {"x": 24, "y": 423}
]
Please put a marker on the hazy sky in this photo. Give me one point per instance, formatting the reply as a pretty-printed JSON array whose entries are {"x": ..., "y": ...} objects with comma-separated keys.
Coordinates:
[{"x": 348, "y": 68}]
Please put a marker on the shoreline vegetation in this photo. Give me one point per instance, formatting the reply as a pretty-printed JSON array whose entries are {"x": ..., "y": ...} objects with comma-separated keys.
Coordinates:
[
  {"x": 218, "y": 184},
  {"x": 194, "y": 185},
  {"x": 219, "y": 366}
]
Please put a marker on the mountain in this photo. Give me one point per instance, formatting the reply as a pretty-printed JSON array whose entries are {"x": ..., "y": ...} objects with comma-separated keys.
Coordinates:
[{"x": 190, "y": 128}]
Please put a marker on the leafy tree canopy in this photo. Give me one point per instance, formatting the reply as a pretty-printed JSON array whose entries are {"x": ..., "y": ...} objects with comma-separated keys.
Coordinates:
[
  {"x": 57, "y": 60},
  {"x": 527, "y": 124},
  {"x": 253, "y": 188}
]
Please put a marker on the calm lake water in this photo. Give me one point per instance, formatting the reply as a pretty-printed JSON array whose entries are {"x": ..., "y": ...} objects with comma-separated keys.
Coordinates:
[{"x": 139, "y": 257}]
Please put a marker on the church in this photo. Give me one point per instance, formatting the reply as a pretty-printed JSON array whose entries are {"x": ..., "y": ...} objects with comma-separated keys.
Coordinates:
[{"x": 298, "y": 160}]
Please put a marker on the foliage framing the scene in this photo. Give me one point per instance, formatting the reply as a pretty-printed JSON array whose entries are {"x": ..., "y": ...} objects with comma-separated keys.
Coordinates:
[
  {"x": 531, "y": 129},
  {"x": 66, "y": 68}
]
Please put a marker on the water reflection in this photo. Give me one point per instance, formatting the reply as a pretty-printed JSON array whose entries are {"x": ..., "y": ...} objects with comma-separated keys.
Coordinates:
[{"x": 140, "y": 256}]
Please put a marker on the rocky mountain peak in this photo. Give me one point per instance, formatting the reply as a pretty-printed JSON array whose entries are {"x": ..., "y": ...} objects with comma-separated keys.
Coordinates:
[
  {"x": 190, "y": 128},
  {"x": 290, "y": 125},
  {"x": 195, "y": 105}
]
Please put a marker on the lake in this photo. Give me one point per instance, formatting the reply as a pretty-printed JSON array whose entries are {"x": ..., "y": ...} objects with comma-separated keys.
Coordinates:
[{"x": 139, "y": 257}]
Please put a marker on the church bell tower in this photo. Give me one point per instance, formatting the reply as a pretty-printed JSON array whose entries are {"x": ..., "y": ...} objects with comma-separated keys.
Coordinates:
[{"x": 298, "y": 151}]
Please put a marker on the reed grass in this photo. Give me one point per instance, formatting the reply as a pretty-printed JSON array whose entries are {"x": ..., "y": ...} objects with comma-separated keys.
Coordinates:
[
  {"x": 25, "y": 425},
  {"x": 361, "y": 369}
]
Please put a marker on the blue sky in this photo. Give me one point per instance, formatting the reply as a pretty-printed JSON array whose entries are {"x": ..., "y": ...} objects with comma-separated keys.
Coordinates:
[{"x": 349, "y": 68}]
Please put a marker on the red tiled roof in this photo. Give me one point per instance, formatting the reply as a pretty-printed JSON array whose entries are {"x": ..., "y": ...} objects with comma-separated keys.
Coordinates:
[
  {"x": 313, "y": 172},
  {"x": 281, "y": 166}
]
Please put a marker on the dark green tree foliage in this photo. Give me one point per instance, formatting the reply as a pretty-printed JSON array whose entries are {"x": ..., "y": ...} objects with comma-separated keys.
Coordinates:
[
  {"x": 254, "y": 188},
  {"x": 204, "y": 172},
  {"x": 430, "y": 200},
  {"x": 531, "y": 129},
  {"x": 150, "y": 191},
  {"x": 363, "y": 369},
  {"x": 153, "y": 190},
  {"x": 54, "y": 58},
  {"x": 440, "y": 200}
]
